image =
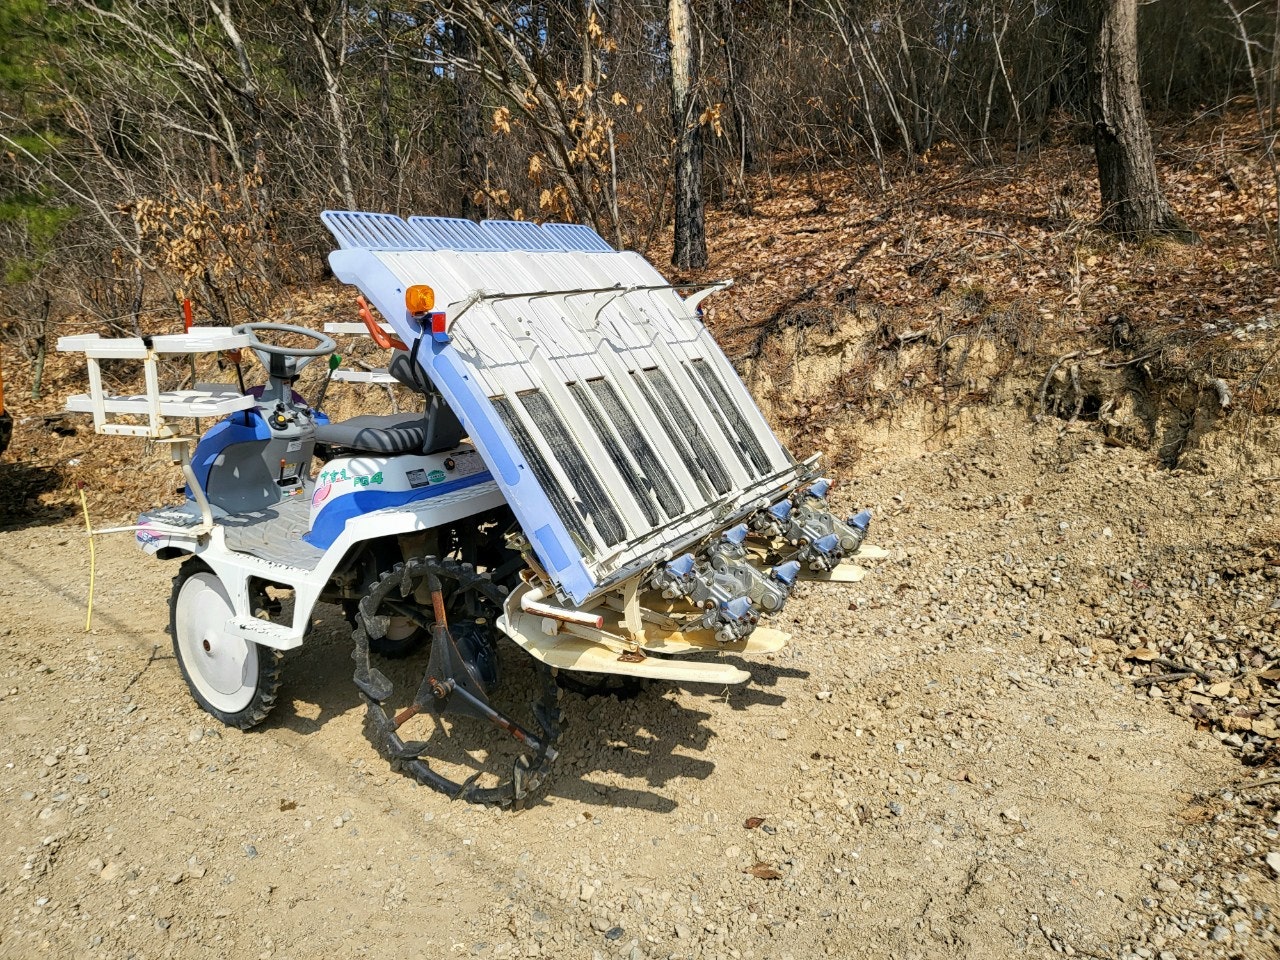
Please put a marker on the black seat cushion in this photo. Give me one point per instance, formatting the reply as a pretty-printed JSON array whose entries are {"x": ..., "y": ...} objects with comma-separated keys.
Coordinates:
[
  {"x": 444, "y": 429},
  {"x": 397, "y": 433},
  {"x": 432, "y": 431},
  {"x": 409, "y": 373}
]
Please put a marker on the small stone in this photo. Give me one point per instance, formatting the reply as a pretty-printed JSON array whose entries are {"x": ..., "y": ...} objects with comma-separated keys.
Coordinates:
[
  {"x": 682, "y": 931},
  {"x": 28, "y": 795},
  {"x": 1220, "y": 934},
  {"x": 779, "y": 733},
  {"x": 112, "y": 871},
  {"x": 195, "y": 736},
  {"x": 1168, "y": 885},
  {"x": 895, "y": 808},
  {"x": 250, "y": 850},
  {"x": 614, "y": 933},
  {"x": 824, "y": 694},
  {"x": 51, "y": 761},
  {"x": 1273, "y": 861},
  {"x": 96, "y": 866},
  {"x": 586, "y": 891}
]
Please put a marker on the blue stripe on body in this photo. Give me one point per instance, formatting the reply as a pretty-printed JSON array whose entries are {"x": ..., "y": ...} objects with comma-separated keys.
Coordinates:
[{"x": 332, "y": 520}]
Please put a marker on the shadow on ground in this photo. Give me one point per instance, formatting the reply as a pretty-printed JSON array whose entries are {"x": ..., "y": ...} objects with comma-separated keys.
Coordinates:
[
  {"x": 643, "y": 739},
  {"x": 21, "y": 485}
]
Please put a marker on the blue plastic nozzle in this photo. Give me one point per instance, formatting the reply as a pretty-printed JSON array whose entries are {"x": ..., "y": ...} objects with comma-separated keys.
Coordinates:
[
  {"x": 786, "y": 572},
  {"x": 819, "y": 488},
  {"x": 681, "y": 566}
]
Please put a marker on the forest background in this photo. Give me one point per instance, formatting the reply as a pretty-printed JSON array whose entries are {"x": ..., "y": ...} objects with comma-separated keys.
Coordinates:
[{"x": 157, "y": 151}]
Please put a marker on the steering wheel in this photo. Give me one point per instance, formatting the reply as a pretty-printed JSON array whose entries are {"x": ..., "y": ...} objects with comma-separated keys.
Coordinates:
[{"x": 286, "y": 362}]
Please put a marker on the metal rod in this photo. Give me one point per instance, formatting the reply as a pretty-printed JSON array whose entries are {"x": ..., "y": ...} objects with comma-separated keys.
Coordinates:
[
  {"x": 529, "y": 603},
  {"x": 182, "y": 454}
]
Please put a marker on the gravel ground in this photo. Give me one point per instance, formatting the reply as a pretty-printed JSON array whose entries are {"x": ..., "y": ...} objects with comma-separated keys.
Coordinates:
[{"x": 1046, "y": 725}]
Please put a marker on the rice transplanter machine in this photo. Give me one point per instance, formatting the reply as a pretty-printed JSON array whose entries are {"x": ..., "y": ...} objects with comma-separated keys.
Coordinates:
[{"x": 589, "y": 497}]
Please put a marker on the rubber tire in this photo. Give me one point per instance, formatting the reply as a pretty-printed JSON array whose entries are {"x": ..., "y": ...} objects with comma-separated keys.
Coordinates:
[{"x": 266, "y": 672}]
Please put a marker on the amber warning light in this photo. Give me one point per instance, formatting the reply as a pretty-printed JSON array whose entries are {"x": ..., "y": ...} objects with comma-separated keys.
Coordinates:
[{"x": 419, "y": 299}]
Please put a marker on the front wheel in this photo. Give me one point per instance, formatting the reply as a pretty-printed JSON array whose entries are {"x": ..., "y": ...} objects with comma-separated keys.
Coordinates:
[{"x": 234, "y": 679}]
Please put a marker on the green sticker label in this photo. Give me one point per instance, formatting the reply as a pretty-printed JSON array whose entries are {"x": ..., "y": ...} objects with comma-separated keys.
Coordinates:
[{"x": 436, "y": 476}]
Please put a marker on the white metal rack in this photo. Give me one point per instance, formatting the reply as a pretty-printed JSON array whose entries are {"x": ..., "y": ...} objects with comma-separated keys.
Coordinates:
[
  {"x": 378, "y": 374},
  {"x": 158, "y": 407}
]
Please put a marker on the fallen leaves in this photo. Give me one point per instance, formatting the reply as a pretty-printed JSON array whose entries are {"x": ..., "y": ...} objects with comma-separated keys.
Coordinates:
[{"x": 762, "y": 871}]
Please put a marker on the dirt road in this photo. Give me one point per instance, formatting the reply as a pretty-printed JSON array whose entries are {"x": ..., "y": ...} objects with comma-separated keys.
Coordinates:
[{"x": 945, "y": 760}]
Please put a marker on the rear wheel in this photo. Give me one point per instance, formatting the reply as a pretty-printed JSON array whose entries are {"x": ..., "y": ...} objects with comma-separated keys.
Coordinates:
[
  {"x": 479, "y": 720},
  {"x": 403, "y": 638},
  {"x": 234, "y": 679}
]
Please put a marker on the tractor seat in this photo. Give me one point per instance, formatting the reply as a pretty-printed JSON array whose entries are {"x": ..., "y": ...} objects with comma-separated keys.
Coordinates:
[
  {"x": 435, "y": 429},
  {"x": 394, "y": 434}
]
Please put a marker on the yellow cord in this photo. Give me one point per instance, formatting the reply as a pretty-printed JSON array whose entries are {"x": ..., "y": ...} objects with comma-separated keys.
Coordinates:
[{"x": 88, "y": 620}]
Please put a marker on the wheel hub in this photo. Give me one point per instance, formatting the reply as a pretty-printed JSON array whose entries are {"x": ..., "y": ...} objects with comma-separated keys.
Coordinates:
[{"x": 223, "y": 668}]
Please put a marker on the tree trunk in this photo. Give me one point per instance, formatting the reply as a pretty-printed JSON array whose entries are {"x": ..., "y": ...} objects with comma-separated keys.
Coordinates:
[
  {"x": 1133, "y": 204},
  {"x": 320, "y": 40},
  {"x": 731, "y": 41},
  {"x": 388, "y": 137},
  {"x": 42, "y": 348},
  {"x": 471, "y": 158},
  {"x": 690, "y": 251},
  {"x": 249, "y": 94}
]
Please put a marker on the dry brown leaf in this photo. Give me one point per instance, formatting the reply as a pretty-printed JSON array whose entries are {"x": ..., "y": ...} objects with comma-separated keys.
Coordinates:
[
  {"x": 753, "y": 822},
  {"x": 1145, "y": 654},
  {"x": 762, "y": 871}
]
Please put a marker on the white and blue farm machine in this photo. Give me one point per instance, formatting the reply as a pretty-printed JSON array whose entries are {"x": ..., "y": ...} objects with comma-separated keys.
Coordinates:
[{"x": 588, "y": 497}]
